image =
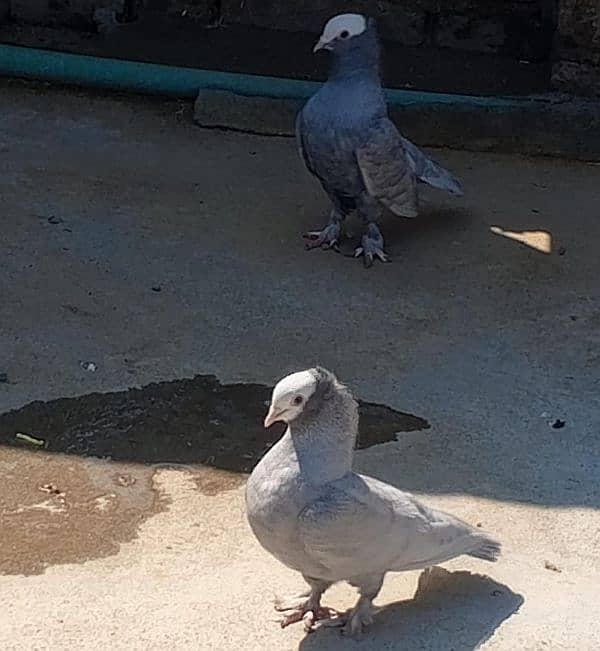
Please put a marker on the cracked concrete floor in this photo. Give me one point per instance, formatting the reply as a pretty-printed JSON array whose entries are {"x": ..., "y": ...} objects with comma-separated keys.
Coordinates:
[{"x": 156, "y": 251}]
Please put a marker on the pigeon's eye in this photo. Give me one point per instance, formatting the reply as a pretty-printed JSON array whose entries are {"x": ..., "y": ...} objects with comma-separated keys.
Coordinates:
[
  {"x": 298, "y": 400},
  {"x": 344, "y": 34}
]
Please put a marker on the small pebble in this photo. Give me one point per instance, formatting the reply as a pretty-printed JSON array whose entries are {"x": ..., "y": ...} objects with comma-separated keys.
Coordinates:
[
  {"x": 52, "y": 489},
  {"x": 126, "y": 480},
  {"x": 89, "y": 366},
  {"x": 54, "y": 220},
  {"x": 561, "y": 250},
  {"x": 3, "y": 378},
  {"x": 157, "y": 288},
  {"x": 558, "y": 424},
  {"x": 550, "y": 566}
]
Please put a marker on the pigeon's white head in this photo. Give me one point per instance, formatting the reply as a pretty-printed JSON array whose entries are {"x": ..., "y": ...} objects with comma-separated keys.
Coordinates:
[
  {"x": 290, "y": 396},
  {"x": 341, "y": 29}
]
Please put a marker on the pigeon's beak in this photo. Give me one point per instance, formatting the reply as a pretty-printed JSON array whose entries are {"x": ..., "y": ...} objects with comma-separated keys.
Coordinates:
[
  {"x": 272, "y": 417},
  {"x": 321, "y": 45}
]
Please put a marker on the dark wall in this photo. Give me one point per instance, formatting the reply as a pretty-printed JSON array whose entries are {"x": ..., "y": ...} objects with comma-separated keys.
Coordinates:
[
  {"x": 563, "y": 32},
  {"x": 521, "y": 29},
  {"x": 516, "y": 28},
  {"x": 577, "y": 49}
]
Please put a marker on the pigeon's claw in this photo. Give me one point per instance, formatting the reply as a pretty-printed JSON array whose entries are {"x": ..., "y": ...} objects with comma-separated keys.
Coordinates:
[
  {"x": 328, "y": 238},
  {"x": 353, "y": 622},
  {"x": 369, "y": 256},
  {"x": 371, "y": 246},
  {"x": 312, "y": 619},
  {"x": 307, "y": 614},
  {"x": 356, "y": 624}
]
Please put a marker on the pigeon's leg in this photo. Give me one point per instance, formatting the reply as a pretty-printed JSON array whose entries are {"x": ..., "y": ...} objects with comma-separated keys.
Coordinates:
[
  {"x": 329, "y": 237},
  {"x": 362, "y": 614},
  {"x": 308, "y": 610},
  {"x": 371, "y": 245}
]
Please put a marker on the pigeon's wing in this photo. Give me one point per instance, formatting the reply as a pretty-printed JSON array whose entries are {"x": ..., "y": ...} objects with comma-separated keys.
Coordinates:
[
  {"x": 363, "y": 526},
  {"x": 386, "y": 170},
  {"x": 430, "y": 172}
]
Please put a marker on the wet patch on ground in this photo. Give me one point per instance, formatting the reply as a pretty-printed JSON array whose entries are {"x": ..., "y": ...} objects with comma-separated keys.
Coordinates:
[
  {"x": 191, "y": 421},
  {"x": 56, "y": 509},
  {"x": 78, "y": 472}
]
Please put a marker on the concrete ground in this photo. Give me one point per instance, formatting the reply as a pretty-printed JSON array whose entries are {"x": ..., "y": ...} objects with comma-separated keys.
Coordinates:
[{"x": 486, "y": 325}]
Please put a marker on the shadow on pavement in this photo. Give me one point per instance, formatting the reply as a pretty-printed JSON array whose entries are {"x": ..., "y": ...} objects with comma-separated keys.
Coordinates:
[{"x": 455, "y": 611}]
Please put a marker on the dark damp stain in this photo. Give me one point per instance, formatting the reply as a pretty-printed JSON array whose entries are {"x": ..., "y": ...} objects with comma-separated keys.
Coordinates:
[{"x": 187, "y": 421}]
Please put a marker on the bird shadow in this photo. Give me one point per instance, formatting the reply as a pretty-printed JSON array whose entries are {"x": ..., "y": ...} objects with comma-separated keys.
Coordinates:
[
  {"x": 455, "y": 611},
  {"x": 433, "y": 220},
  {"x": 402, "y": 233}
]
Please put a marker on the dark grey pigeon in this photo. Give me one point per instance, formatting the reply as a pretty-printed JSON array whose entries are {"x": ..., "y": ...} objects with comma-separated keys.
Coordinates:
[
  {"x": 310, "y": 510},
  {"x": 349, "y": 143}
]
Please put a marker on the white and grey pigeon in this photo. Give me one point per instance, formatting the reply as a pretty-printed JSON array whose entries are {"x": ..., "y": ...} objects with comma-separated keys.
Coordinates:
[
  {"x": 350, "y": 144},
  {"x": 312, "y": 512}
]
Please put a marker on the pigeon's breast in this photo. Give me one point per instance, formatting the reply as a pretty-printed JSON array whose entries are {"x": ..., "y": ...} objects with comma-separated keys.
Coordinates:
[
  {"x": 275, "y": 496},
  {"x": 333, "y": 131}
]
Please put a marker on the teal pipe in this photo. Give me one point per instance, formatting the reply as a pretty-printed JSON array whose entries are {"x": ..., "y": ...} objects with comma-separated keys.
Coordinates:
[{"x": 158, "y": 79}]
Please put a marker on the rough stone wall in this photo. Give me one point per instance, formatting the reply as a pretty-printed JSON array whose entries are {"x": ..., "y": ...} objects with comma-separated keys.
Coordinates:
[
  {"x": 577, "y": 64},
  {"x": 521, "y": 29},
  {"x": 99, "y": 14},
  {"x": 77, "y": 14},
  {"x": 516, "y": 28},
  {"x": 402, "y": 22}
]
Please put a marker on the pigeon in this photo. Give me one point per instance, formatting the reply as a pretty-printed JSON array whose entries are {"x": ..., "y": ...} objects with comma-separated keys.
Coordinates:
[
  {"x": 309, "y": 509},
  {"x": 349, "y": 143}
]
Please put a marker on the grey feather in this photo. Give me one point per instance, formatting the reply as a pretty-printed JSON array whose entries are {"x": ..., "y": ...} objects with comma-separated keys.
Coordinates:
[
  {"x": 386, "y": 171},
  {"x": 311, "y": 511},
  {"x": 428, "y": 171},
  {"x": 360, "y": 522}
]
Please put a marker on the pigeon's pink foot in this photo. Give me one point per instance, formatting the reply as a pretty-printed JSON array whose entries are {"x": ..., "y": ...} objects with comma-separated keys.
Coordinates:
[
  {"x": 309, "y": 614},
  {"x": 352, "y": 623},
  {"x": 328, "y": 238}
]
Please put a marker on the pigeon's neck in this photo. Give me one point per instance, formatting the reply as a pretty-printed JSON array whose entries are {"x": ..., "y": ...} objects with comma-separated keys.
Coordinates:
[
  {"x": 360, "y": 61},
  {"x": 324, "y": 444}
]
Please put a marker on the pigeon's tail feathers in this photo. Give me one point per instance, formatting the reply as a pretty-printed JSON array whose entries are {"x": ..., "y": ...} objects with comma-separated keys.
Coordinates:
[
  {"x": 442, "y": 179},
  {"x": 430, "y": 172},
  {"x": 488, "y": 550}
]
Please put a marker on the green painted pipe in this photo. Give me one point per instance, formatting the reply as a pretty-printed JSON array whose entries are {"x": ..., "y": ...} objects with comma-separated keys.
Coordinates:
[{"x": 176, "y": 81}]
